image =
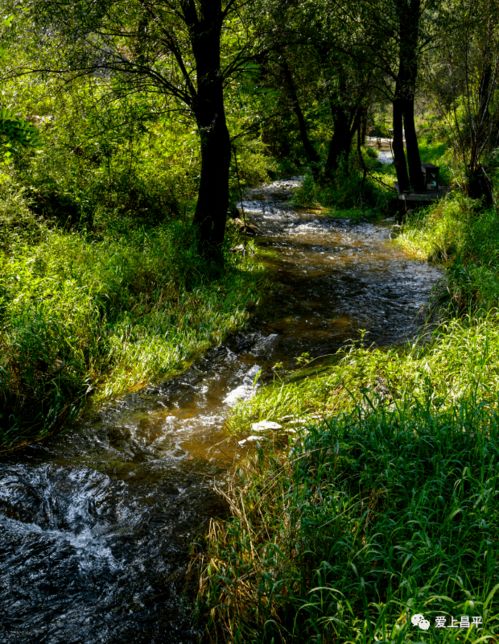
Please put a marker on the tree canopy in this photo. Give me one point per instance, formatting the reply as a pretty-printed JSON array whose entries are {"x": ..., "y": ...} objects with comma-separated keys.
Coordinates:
[{"x": 302, "y": 80}]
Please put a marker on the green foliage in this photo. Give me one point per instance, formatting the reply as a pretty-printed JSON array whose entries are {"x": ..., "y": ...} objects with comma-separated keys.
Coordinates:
[
  {"x": 17, "y": 221},
  {"x": 373, "y": 517},
  {"x": 306, "y": 194},
  {"x": 80, "y": 315},
  {"x": 101, "y": 287},
  {"x": 103, "y": 162},
  {"x": 385, "y": 509},
  {"x": 15, "y": 133},
  {"x": 50, "y": 334},
  {"x": 466, "y": 98},
  {"x": 252, "y": 167},
  {"x": 348, "y": 191},
  {"x": 438, "y": 153}
]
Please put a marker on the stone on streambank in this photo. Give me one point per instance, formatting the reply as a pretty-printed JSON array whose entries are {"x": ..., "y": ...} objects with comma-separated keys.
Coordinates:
[
  {"x": 271, "y": 426},
  {"x": 264, "y": 425},
  {"x": 251, "y": 439},
  {"x": 261, "y": 426}
]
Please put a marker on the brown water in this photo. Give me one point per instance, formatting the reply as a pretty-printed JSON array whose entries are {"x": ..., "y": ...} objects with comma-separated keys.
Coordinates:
[{"x": 96, "y": 525}]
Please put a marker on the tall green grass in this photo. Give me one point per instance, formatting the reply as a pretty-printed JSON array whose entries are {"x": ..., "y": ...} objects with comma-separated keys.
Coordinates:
[
  {"x": 107, "y": 315},
  {"x": 457, "y": 232},
  {"x": 459, "y": 360},
  {"x": 373, "y": 516},
  {"x": 384, "y": 504},
  {"x": 350, "y": 195}
]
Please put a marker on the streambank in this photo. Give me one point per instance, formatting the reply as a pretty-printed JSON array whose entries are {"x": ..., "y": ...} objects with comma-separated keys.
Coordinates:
[
  {"x": 98, "y": 523},
  {"x": 382, "y": 509}
]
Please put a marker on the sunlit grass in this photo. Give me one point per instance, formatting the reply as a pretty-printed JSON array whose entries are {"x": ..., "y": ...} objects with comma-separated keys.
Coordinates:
[
  {"x": 458, "y": 233},
  {"x": 373, "y": 516},
  {"x": 460, "y": 359},
  {"x": 106, "y": 316}
]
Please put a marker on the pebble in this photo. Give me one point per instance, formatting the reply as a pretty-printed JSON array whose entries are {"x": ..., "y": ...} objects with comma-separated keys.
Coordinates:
[{"x": 264, "y": 425}]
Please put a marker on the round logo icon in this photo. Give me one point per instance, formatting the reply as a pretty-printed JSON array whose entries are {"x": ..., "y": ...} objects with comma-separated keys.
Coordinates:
[{"x": 419, "y": 620}]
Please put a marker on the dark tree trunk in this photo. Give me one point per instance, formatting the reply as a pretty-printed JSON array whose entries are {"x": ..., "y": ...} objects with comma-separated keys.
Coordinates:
[
  {"x": 213, "y": 197},
  {"x": 341, "y": 141},
  {"x": 213, "y": 194},
  {"x": 409, "y": 13},
  {"x": 398, "y": 145},
  {"x": 478, "y": 184},
  {"x": 362, "y": 131},
  {"x": 412, "y": 147},
  {"x": 309, "y": 150}
]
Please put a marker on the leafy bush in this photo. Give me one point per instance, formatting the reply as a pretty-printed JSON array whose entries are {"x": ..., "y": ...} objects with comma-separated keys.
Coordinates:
[
  {"x": 348, "y": 190},
  {"x": 15, "y": 133},
  {"x": 17, "y": 221},
  {"x": 252, "y": 166}
]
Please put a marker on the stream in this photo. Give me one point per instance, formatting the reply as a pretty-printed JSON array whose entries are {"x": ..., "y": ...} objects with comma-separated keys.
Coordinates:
[{"x": 97, "y": 524}]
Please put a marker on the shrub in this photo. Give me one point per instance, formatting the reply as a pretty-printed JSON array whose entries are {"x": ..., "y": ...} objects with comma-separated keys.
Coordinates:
[{"x": 18, "y": 224}]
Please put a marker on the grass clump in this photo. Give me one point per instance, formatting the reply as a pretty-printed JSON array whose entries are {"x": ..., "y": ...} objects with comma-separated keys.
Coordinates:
[
  {"x": 460, "y": 360},
  {"x": 349, "y": 195},
  {"x": 457, "y": 232},
  {"x": 374, "y": 516},
  {"x": 105, "y": 315}
]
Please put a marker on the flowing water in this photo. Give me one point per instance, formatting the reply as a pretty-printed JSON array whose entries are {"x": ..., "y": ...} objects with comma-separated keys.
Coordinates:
[{"x": 97, "y": 524}]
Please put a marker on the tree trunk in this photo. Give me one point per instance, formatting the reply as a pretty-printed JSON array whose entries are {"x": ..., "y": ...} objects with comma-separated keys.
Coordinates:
[
  {"x": 409, "y": 13},
  {"x": 309, "y": 150},
  {"x": 478, "y": 184},
  {"x": 213, "y": 196},
  {"x": 412, "y": 147},
  {"x": 341, "y": 141},
  {"x": 398, "y": 145}
]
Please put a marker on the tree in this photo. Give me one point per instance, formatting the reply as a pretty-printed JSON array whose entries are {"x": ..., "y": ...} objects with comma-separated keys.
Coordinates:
[
  {"x": 317, "y": 58},
  {"x": 171, "y": 47},
  {"x": 291, "y": 90},
  {"x": 395, "y": 33},
  {"x": 408, "y": 17},
  {"x": 464, "y": 82}
]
